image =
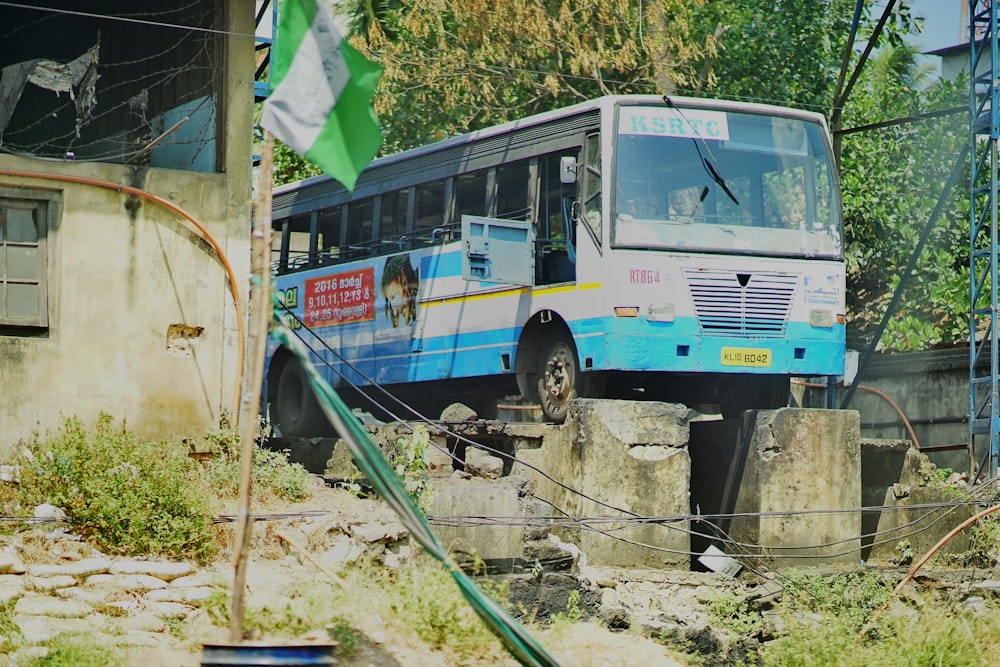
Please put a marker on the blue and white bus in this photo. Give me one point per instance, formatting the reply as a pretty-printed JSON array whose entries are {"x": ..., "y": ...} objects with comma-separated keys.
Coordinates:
[{"x": 684, "y": 250}]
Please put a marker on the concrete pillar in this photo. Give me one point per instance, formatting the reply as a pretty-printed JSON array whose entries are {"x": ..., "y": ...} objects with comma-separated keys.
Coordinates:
[
  {"x": 498, "y": 543},
  {"x": 785, "y": 471},
  {"x": 630, "y": 455}
]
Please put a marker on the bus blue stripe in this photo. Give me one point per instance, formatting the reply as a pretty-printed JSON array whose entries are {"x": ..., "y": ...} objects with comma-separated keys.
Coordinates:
[{"x": 609, "y": 343}]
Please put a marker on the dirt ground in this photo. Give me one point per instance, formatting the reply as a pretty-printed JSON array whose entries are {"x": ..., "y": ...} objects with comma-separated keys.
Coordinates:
[{"x": 582, "y": 644}]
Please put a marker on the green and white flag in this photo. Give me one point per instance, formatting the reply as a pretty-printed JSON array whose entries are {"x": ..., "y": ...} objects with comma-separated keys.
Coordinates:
[{"x": 321, "y": 93}]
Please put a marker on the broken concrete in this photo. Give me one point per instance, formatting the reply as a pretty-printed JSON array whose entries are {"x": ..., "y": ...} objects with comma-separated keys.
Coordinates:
[
  {"x": 613, "y": 461},
  {"x": 791, "y": 476}
]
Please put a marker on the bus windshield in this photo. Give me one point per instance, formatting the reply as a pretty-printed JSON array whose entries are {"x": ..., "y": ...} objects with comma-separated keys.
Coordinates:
[{"x": 673, "y": 169}]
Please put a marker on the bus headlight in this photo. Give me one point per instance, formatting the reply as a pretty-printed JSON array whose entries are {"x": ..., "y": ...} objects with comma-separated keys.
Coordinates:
[
  {"x": 821, "y": 318},
  {"x": 661, "y": 312}
]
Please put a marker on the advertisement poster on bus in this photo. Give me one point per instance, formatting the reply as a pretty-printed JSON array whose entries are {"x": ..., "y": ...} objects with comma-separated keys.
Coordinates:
[{"x": 339, "y": 298}]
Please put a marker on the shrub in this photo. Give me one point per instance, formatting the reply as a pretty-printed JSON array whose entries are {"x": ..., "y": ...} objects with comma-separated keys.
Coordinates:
[
  {"x": 127, "y": 496},
  {"x": 274, "y": 477}
]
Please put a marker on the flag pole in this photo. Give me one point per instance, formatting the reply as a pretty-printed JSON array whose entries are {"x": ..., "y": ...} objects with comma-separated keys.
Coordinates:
[{"x": 260, "y": 317}]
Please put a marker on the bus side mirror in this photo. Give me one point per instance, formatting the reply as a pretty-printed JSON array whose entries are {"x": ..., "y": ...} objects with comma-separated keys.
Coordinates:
[{"x": 567, "y": 169}]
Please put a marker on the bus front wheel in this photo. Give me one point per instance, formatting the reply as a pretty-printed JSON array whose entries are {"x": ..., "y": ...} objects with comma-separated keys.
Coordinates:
[
  {"x": 296, "y": 410},
  {"x": 558, "y": 378}
]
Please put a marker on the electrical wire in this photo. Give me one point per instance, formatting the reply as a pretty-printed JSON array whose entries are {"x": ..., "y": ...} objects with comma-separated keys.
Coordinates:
[
  {"x": 125, "y": 19},
  {"x": 920, "y": 563},
  {"x": 588, "y": 523}
]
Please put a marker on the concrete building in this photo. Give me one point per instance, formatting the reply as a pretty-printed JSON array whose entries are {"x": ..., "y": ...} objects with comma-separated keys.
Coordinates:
[{"x": 124, "y": 128}]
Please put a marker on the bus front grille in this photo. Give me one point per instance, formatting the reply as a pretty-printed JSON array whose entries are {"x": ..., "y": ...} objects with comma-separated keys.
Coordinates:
[{"x": 746, "y": 304}]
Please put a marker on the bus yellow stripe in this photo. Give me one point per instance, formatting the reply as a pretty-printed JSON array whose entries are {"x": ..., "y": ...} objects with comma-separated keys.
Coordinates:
[{"x": 515, "y": 291}]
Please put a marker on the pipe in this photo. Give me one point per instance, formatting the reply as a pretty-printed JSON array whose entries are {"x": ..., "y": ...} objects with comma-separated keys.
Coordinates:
[
  {"x": 913, "y": 570},
  {"x": 895, "y": 406},
  {"x": 119, "y": 187}
]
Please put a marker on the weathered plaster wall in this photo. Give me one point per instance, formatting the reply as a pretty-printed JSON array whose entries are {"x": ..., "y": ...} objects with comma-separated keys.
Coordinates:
[
  {"x": 125, "y": 272},
  {"x": 932, "y": 390}
]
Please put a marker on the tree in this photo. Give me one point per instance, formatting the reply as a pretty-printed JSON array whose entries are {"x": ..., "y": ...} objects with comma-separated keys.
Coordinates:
[{"x": 891, "y": 179}]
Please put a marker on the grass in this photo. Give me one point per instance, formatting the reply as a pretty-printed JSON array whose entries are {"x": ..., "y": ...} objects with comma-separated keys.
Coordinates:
[
  {"x": 824, "y": 615},
  {"x": 124, "y": 495},
  {"x": 77, "y": 650}
]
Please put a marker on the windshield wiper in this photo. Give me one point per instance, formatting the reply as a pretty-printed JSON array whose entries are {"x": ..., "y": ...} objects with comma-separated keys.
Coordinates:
[{"x": 710, "y": 166}]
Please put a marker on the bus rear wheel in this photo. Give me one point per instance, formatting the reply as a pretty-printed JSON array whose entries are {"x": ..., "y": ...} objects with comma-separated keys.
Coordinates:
[
  {"x": 558, "y": 378},
  {"x": 296, "y": 410}
]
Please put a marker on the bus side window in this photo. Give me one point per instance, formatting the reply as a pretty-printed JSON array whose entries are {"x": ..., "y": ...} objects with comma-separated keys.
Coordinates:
[
  {"x": 279, "y": 260},
  {"x": 392, "y": 229},
  {"x": 328, "y": 229},
  {"x": 294, "y": 252},
  {"x": 360, "y": 225},
  {"x": 589, "y": 178},
  {"x": 513, "y": 181},
  {"x": 429, "y": 213},
  {"x": 470, "y": 197}
]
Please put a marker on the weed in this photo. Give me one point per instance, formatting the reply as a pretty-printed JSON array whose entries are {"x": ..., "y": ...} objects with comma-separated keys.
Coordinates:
[
  {"x": 435, "y": 608},
  {"x": 126, "y": 495},
  {"x": 904, "y": 553},
  {"x": 412, "y": 462},
  {"x": 340, "y": 631},
  {"x": 76, "y": 650},
  {"x": 573, "y": 613},
  {"x": 216, "y": 607},
  {"x": 940, "y": 638},
  {"x": 10, "y": 633},
  {"x": 175, "y": 625},
  {"x": 733, "y": 613},
  {"x": 851, "y": 597},
  {"x": 274, "y": 477},
  {"x": 984, "y": 544}
]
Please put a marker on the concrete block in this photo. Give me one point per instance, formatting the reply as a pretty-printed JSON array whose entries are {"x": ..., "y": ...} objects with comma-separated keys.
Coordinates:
[
  {"x": 634, "y": 422},
  {"x": 501, "y": 541},
  {"x": 922, "y": 527},
  {"x": 786, "y": 470},
  {"x": 884, "y": 462},
  {"x": 629, "y": 455}
]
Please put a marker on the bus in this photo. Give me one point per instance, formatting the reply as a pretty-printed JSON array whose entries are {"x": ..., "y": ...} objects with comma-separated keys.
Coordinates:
[{"x": 635, "y": 247}]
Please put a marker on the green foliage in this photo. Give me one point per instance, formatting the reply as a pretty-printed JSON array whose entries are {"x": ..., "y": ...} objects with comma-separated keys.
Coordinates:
[
  {"x": 573, "y": 613},
  {"x": 904, "y": 553},
  {"x": 441, "y": 617},
  {"x": 412, "y": 462},
  {"x": 734, "y": 613},
  {"x": 289, "y": 166},
  {"x": 274, "y": 477},
  {"x": 891, "y": 180},
  {"x": 984, "y": 544},
  {"x": 938, "y": 638},
  {"x": 340, "y": 631},
  {"x": 850, "y": 598},
  {"x": 126, "y": 495}
]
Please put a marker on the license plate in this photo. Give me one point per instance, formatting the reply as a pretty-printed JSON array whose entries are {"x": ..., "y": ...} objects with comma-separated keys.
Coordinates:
[{"x": 746, "y": 356}]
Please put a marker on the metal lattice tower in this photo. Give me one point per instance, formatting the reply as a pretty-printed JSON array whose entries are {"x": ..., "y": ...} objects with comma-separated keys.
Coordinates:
[{"x": 984, "y": 99}]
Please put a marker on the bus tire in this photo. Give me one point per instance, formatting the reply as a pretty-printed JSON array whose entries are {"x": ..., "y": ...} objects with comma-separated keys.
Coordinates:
[
  {"x": 296, "y": 410},
  {"x": 558, "y": 380}
]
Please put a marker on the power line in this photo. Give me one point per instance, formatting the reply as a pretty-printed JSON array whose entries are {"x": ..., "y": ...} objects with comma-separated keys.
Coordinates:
[{"x": 125, "y": 19}]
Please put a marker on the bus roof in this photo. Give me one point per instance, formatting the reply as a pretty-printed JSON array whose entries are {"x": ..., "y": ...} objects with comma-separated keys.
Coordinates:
[{"x": 602, "y": 104}]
